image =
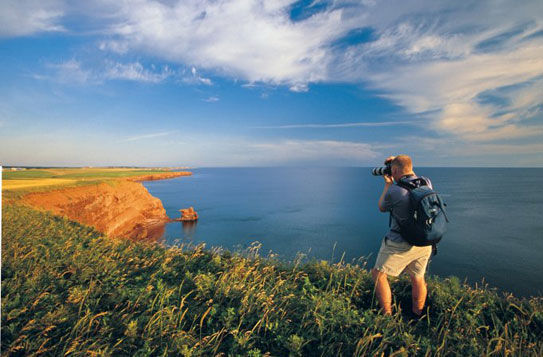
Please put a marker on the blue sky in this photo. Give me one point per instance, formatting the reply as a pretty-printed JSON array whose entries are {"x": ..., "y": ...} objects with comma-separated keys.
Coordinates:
[{"x": 270, "y": 83}]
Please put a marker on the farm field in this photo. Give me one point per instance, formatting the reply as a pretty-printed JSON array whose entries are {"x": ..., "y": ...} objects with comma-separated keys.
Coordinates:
[{"x": 13, "y": 180}]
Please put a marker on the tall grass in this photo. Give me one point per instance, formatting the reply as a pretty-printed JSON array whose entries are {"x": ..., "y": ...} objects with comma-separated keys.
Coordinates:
[{"x": 67, "y": 290}]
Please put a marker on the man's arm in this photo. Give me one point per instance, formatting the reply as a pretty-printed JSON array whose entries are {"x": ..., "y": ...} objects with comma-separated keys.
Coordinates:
[{"x": 388, "y": 182}]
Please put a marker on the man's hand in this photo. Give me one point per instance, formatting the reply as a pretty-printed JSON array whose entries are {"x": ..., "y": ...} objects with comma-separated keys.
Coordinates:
[
  {"x": 388, "y": 179},
  {"x": 389, "y": 159}
]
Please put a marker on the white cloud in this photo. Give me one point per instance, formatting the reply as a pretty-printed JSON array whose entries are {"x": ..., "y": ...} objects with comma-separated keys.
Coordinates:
[
  {"x": 219, "y": 150},
  {"x": 211, "y": 99},
  {"x": 25, "y": 17},
  {"x": 299, "y": 87},
  {"x": 71, "y": 147},
  {"x": 254, "y": 41},
  {"x": 433, "y": 58},
  {"x": 136, "y": 72},
  {"x": 75, "y": 72},
  {"x": 451, "y": 89},
  {"x": 427, "y": 57},
  {"x": 209, "y": 150},
  {"x": 509, "y": 131},
  {"x": 194, "y": 77},
  {"x": 339, "y": 125},
  {"x": 327, "y": 152},
  {"x": 70, "y": 71},
  {"x": 148, "y": 136},
  {"x": 455, "y": 151}
]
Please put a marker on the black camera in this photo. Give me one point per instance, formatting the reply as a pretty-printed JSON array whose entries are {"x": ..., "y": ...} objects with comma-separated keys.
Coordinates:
[{"x": 380, "y": 171}]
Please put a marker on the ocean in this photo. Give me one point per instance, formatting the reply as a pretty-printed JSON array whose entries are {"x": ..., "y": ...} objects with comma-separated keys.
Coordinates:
[{"x": 495, "y": 235}]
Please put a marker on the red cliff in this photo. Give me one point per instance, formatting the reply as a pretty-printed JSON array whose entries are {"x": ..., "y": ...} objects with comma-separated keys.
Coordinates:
[{"x": 120, "y": 208}]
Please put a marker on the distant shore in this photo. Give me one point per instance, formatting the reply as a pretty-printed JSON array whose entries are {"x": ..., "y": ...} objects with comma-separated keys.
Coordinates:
[{"x": 116, "y": 206}]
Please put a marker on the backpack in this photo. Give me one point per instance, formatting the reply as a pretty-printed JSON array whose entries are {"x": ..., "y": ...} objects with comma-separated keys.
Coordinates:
[{"x": 427, "y": 222}]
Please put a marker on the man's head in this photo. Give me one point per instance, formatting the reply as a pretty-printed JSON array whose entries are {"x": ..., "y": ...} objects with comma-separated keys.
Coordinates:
[{"x": 401, "y": 165}]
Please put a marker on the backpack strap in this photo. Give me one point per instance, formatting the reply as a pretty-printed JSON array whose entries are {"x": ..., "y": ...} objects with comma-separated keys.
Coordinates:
[
  {"x": 412, "y": 184},
  {"x": 408, "y": 185},
  {"x": 442, "y": 206}
]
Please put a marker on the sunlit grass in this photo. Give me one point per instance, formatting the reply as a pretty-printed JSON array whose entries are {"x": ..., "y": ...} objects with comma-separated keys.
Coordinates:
[
  {"x": 20, "y": 184},
  {"x": 67, "y": 290},
  {"x": 71, "y": 173},
  {"x": 16, "y": 184}
]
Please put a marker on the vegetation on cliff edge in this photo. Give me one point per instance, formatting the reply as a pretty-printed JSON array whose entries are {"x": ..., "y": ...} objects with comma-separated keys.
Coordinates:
[{"x": 67, "y": 290}]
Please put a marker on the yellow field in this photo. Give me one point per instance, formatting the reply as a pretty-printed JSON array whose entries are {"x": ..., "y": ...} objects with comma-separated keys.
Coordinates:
[
  {"x": 32, "y": 178},
  {"x": 17, "y": 184}
]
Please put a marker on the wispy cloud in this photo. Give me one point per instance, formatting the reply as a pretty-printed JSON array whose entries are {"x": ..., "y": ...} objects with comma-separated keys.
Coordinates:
[
  {"x": 191, "y": 149},
  {"x": 136, "y": 72},
  {"x": 436, "y": 59},
  {"x": 70, "y": 71},
  {"x": 327, "y": 152},
  {"x": 211, "y": 99},
  {"x": 427, "y": 57},
  {"x": 74, "y": 71},
  {"x": 25, "y": 17},
  {"x": 339, "y": 125},
  {"x": 148, "y": 136},
  {"x": 253, "y": 41},
  {"x": 241, "y": 151}
]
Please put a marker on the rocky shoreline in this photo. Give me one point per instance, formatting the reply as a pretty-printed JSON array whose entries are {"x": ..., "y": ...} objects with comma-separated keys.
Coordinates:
[{"x": 121, "y": 208}]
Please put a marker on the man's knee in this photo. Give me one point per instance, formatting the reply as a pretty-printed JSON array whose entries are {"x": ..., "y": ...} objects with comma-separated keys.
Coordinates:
[
  {"x": 377, "y": 275},
  {"x": 417, "y": 280}
]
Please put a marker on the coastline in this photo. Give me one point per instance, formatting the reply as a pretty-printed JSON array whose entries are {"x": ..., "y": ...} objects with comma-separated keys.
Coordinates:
[{"x": 121, "y": 208}]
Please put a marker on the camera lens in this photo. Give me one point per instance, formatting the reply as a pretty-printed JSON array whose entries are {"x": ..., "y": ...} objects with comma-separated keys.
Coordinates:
[{"x": 378, "y": 171}]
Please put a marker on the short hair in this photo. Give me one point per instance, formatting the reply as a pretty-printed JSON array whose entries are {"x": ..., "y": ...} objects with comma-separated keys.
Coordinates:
[{"x": 403, "y": 162}]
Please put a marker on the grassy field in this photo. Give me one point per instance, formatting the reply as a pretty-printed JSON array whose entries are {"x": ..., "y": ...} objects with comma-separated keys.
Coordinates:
[
  {"x": 67, "y": 290},
  {"x": 75, "y": 173},
  {"x": 13, "y": 180}
]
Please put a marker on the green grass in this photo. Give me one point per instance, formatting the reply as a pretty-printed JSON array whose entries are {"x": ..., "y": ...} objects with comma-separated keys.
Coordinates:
[
  {"x": 111, "y": 174},
  {"x": 26, "y": 174},
  {"x": 67, "y": 290},
  {"x": 75, "y": 173}
]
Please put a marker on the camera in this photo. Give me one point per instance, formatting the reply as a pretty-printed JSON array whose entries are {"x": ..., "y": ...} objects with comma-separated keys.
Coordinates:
[{"x": 380, "y": 171}]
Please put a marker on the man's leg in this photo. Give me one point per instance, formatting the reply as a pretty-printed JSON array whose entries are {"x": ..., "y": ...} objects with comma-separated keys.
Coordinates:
[
  {"x": 418, "y": 292},
  {"x": 382, "y": 290}
]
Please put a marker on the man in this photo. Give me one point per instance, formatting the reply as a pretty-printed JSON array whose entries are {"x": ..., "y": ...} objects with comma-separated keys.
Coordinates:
[{"x": 396, "y": 255}]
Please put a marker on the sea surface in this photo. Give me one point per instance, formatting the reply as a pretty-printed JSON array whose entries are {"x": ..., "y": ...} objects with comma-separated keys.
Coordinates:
[{"x": 495, "y": 234}]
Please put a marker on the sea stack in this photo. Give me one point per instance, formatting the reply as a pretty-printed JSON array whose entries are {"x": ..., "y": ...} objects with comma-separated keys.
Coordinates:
[{"x": 188, "y": 215}]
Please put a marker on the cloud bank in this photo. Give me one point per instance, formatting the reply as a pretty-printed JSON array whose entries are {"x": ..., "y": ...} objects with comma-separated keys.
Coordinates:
[
  {"x": 472, "y": 69},
  {"x": 26, "y": 17}
]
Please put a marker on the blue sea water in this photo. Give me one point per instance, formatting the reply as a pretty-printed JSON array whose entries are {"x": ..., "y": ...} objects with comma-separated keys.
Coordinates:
[{"x": 495, "y": 234}]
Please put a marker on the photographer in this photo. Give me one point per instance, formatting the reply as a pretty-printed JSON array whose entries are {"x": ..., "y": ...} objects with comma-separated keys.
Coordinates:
[{"x": 397, "y": 255}]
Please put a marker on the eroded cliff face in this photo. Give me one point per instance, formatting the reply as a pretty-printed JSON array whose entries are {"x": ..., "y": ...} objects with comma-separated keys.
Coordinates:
[
  {"x": 121, "y": 208},
  {"x": 162, "y": 176}
]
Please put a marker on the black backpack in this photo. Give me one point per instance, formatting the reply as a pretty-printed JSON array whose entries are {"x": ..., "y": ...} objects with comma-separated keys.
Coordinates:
[{"x": 427, "y": 222}]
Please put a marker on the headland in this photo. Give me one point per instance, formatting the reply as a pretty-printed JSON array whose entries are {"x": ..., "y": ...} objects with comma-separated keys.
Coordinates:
[{"x": 113, "y": 201}]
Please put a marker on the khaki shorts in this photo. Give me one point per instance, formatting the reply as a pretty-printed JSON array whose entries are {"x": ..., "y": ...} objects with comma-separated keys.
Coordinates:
[{"x": 396, "y": 257}]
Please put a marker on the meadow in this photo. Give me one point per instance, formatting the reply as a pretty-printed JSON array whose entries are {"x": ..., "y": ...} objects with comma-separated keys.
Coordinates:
[
  {"x": 60, "y": 177},
  {"x": 16, "y": 184},
  {"x": 69, "y": 290}
]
